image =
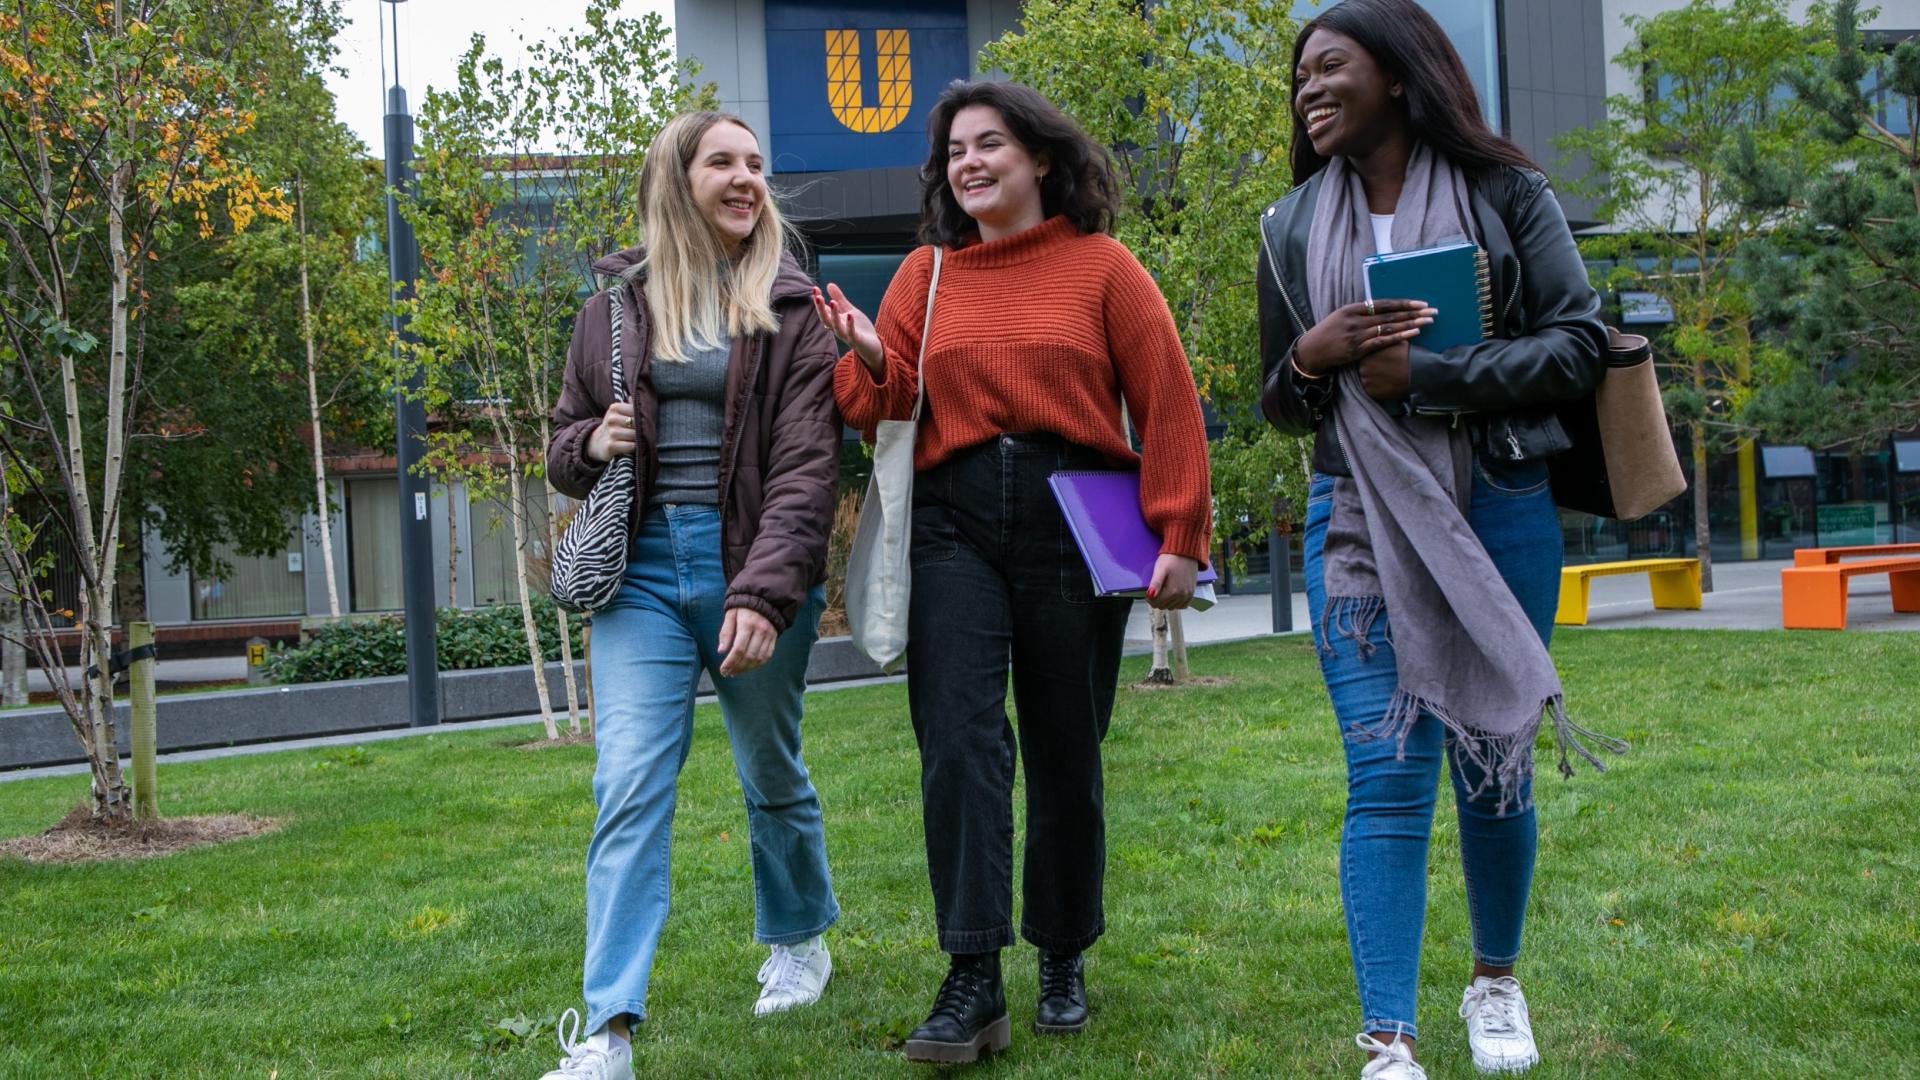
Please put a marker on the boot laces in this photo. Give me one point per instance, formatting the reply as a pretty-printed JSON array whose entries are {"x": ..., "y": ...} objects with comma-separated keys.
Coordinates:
[
  {"x": 1056, "y": 976},
  {"x": 962, "y": 983}
]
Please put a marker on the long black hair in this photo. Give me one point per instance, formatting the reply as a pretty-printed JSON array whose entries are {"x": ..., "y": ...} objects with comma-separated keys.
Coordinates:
[
  {"x": 1079, "y": 182},
  {"x": 1410, "y": 48}
]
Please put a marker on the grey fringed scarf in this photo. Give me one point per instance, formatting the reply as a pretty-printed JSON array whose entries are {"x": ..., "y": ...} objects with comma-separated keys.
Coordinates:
[{"x": 1399, "y": 539}]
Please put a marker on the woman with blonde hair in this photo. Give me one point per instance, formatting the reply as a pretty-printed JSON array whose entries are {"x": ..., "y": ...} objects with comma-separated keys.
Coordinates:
[{"x": 732, "y": 423}]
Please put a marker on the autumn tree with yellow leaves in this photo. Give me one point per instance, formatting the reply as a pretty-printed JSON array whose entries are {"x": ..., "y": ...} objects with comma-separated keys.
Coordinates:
[{"x": 117, "y": 120}]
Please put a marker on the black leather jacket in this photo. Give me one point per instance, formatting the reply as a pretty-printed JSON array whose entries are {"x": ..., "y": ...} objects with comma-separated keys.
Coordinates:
[{"x": 1547, "y": 346}]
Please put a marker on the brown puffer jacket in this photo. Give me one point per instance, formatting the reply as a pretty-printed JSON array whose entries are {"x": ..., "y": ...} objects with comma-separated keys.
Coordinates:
[{"x": 779, "y": 448}]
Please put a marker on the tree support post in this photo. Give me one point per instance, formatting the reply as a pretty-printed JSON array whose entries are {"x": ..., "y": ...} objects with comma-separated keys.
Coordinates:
[
  {"x": 1280, "y": 574},
  {"x": 146, "y": 773}
]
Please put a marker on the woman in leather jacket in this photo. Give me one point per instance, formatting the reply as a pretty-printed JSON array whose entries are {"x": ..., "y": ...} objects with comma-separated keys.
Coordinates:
[{"x": 1390, "y": 153}]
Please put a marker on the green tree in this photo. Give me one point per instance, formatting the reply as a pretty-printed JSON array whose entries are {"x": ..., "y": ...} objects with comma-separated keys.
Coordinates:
[
  {"x": 525, "y": 175},
  {"x": 270, "y": 337},
  {"x": 1708, "y": 74},
  {"x": 114, "y": 120},
  {"x": 1842, "y": 277},
  {"x": 1192, "y": 96}
]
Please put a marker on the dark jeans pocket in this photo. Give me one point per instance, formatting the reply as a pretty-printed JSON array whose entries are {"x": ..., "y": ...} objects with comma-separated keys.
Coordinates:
[
  {"x": 1076, "y": 581},
  {"x": 1511, "y": 478},
  {"x": 936, "y": 537}
]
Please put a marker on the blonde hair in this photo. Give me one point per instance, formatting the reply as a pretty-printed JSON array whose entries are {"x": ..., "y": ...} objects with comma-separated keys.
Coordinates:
[{"x": 694, "y": 289}]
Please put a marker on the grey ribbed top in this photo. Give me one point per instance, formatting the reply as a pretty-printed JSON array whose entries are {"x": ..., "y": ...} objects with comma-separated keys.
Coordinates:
[{"x": 693, "y": 414}]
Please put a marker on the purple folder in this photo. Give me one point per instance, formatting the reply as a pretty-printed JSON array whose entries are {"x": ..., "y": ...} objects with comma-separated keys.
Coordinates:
[{"x": 1103, "y": 513}]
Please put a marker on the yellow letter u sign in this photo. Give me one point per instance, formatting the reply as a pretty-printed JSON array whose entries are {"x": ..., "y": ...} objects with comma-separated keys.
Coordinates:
[{"x": 843, "y": 81}]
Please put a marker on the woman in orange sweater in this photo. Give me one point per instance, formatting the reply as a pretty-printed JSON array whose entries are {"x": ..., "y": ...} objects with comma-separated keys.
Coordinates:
[{"x": 1043, "y": 325}]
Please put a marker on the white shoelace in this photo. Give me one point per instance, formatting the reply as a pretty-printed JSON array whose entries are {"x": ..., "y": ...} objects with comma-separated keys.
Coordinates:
[
  {"x": 1390, "y": 1054},
  {"x": 1496, "y": 1006},
  {"x": 580, "y": 1057},
  {"x": 781, "y": 973}
]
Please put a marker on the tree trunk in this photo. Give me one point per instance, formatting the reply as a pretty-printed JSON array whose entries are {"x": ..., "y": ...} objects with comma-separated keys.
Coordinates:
[
  {"x": 1159, "y": 673},
  {"x": 566, "y": 639},
  {"x": 586, "y": 647},
  {"x": 13, "y": 650},
  {"x": 453, "y": 549},
  {"x": 313, "y": 415},
  {"x": 1702, "y": 528},
  {"x": 1179, "y": 631},
  {"x": 534, "y": 655}
]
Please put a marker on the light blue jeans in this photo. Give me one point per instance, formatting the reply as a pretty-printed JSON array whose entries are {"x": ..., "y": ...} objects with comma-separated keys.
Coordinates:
[
  {"x": 1390, "y": 798},
  {"x": 649, "y": 647}
]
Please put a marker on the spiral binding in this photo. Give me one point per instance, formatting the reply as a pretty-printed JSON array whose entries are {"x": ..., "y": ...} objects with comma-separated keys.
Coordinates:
[{"x": 1484, "y": 285}]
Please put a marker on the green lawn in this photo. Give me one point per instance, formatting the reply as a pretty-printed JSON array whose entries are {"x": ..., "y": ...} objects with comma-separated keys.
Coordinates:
[{"x": 1738, "y": 897}]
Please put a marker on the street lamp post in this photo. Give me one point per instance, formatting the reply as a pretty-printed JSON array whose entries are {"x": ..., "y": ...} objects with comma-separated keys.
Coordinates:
[{"x": 410, "y": 412}]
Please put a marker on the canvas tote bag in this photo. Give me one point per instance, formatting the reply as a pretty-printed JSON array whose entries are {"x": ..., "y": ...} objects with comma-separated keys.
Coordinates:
[
  {"x": 590, "y": 560},
  {"x": 879, "y": 572},
  {"x": 1622, "y": 464}
]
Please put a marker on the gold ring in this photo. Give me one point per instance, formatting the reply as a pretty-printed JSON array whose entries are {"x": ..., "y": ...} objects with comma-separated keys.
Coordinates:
[{"x": 1369, "y": 307}]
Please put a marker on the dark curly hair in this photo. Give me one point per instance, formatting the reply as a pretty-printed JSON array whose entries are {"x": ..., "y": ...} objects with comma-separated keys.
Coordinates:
[
  {"x": 1079, "y": 182},
  {"x": 1442, "y": 109}
]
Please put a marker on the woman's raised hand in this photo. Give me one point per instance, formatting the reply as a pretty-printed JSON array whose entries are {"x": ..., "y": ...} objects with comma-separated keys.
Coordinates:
[
  {"x": 850, "y": 325},
  {"x": 1357, "y": 331}
]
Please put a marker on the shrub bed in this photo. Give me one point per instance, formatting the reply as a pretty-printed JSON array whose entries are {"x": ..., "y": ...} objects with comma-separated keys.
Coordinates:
[{"x": 488, "y": 637}]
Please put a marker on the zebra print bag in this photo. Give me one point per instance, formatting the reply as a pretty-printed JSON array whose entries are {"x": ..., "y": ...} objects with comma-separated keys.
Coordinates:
[{"x": 590, "y": 560}]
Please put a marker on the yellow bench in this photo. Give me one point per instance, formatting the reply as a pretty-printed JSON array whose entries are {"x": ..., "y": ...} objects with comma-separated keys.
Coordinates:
[{"x": 1675, "y": 583}]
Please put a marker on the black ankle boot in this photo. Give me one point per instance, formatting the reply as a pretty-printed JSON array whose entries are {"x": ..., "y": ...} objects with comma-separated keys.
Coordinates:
[
  {"x": 1063, "y": 994},
  {"x": 969, "y": 1014}
]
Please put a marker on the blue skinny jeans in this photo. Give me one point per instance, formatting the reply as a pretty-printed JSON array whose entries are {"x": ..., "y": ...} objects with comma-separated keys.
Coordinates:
[{"x": 1390, "y": 798}]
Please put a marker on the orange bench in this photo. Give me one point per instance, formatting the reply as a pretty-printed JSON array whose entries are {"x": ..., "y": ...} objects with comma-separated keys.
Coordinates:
[
  {"x": 1815, "y": 597},
  {"x": 1829, "y": 556}
]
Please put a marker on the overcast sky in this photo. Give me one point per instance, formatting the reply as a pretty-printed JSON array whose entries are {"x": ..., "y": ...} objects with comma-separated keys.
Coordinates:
[{"x": 433, "y": 35}]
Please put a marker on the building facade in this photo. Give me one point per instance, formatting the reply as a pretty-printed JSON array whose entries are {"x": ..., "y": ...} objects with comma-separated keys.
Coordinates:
[{"x": 839, "y": 92}]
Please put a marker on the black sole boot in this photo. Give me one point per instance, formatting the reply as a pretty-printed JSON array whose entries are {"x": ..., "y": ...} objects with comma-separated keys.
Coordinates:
[
  {"x": 969, "y": 1014},
  {"x": 1063, "y": 994}
]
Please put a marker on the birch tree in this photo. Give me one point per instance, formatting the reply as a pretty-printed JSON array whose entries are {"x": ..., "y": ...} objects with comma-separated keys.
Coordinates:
[
  {"x": 526, "y": 174},
  {"x": 112, "y": 117},
  {"x": 1709, "y": 74}
]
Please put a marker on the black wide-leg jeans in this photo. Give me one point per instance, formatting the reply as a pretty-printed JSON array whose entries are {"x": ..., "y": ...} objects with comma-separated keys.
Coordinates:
[{"x": 998, "y": 581}]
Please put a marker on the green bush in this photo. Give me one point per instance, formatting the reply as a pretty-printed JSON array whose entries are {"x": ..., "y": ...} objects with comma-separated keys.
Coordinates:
[{"x": 488, "y": 637}]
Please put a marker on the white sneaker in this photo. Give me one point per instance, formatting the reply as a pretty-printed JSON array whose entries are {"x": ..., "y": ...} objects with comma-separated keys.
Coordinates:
[
  {"x": 1498, "y": 1029},
  {"x": 794, "y": 975},
  {"x": 1394, "y": 1063},
  {"x": 601, "y": 1057}
]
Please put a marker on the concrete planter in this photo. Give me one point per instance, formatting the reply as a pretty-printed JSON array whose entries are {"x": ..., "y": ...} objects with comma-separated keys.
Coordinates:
[{"x": 43, "y": 736}]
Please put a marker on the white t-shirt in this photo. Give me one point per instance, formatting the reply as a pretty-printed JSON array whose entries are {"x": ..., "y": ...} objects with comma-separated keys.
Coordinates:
[{"x": 1382, "y": 232}]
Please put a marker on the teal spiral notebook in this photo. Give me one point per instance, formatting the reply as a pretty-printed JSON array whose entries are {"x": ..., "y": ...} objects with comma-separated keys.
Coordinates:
[{"x": 1451, "y": 278}]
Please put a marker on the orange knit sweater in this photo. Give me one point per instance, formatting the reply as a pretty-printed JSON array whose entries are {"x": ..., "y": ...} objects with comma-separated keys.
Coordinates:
[{"x": 1045, "y": 330}]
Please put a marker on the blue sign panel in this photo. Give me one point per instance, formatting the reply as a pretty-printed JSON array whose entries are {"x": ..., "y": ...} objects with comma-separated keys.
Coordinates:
[{"x": 851, "y": 83}]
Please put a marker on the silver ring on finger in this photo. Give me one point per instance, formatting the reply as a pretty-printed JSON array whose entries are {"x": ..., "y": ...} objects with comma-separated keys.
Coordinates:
[{"x": 1379, "y": 329}]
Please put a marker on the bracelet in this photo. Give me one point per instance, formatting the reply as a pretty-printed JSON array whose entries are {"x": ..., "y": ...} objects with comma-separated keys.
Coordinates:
[{"x": 1293, "y": 361}]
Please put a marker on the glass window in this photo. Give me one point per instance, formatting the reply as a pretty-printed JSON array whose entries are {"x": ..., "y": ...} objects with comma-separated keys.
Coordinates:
[
  {"x": 258, "y": 586},
  {"x": 1474, "y": 29},
  {"x": 863, "y": 278},
  {"x": 494, "y": 580},
  {"x": 373, "y": 542}
]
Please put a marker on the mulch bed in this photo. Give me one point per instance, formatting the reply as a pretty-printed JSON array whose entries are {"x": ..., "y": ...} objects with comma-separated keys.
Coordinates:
[
  {"x": 1189, "y": 683},
  {"x": 79, "y": 838},
  {"x": 585, "y": 738}
]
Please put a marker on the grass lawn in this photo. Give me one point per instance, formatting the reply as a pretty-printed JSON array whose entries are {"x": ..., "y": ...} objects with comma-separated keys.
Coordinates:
[{"x": 1737, "y": 897}]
